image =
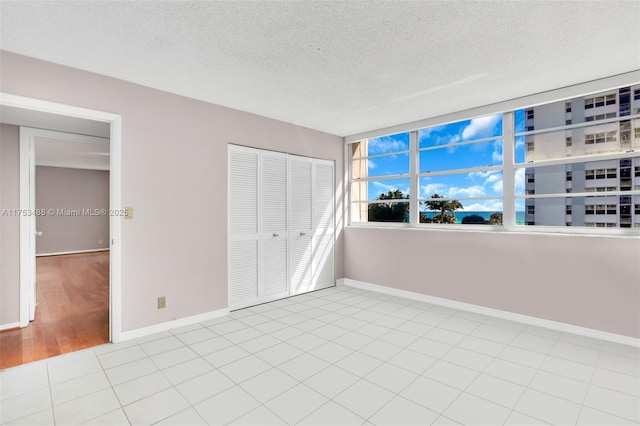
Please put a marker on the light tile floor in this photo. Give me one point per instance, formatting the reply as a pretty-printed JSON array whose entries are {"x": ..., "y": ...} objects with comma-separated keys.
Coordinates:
[{"x": 336, "y": 356}]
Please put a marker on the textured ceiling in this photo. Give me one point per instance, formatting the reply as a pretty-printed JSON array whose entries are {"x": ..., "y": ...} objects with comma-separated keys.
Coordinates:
[{"x": 341, "y": 67}]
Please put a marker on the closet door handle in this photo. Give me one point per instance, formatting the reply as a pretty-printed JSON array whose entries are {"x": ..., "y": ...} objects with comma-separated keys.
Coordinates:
[
  {"x": 302, "y": 234},
  {"x": 276, "y": 235}
]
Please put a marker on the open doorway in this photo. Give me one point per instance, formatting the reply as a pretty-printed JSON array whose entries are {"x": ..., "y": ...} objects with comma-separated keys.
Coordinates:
[
  {"x": 69, "y": 278},
  {"x": 70, "y": 306}
]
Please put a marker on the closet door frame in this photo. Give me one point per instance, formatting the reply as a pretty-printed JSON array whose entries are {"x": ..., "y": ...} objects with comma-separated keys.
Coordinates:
[{"x": 315, "y": 232}]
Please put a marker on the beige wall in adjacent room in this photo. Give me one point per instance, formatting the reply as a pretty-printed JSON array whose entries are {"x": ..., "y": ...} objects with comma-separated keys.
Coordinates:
[
  {"x": 174, "y": 175},
  {"x": 67, "y": 192},
  {"x": 9, "y": 224},
  {"x": 588, "y": 281}
]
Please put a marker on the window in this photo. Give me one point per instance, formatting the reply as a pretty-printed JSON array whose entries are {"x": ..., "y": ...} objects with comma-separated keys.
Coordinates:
[
  {"x": 454, "y": 173},
  {"x": 459, "y": 175},
  {"x": 599, "y": 101},
  {"x": 570, "y": 174},
  {"x": 380, "y": 182}
]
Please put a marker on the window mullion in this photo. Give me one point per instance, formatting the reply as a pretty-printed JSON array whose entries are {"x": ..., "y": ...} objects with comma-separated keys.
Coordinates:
[
  {"x": 508, "y": 172},
  {"x": 413, "y": 173}
]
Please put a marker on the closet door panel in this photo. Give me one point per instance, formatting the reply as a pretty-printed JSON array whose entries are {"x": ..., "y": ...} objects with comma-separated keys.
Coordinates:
[
  {"x": 243, "y": 190},
  {"x": 243, "y": 273},
  {"x": 301, "y": 258},
  {"x": 301, "y": 254},
  {"x": 323, "y": 196},
  {"x": 274, "y": 280},
  {"x": 301, "y": 193},
  {"x": 274, "y": 180},
  {"x": 243, "y": 223},
  {"x": 323, "y": 222},
  {"x": 323, "y": 262}
]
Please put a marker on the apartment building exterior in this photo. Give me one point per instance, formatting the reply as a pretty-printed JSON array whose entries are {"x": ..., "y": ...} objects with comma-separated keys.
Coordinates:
[{"x": 592, "y": 145}]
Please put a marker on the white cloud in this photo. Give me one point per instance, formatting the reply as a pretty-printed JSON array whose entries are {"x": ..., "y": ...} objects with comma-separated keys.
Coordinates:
[
  {"x": 471, "y": 191},
  {"x": 386, "y": 144},
  {"x": 495, "y": 177},
  {"x": 496, "y": 155},
  {"x": 480, "y": 127},
  {"x": 483, "y": 175},
  {"x": 371, "y": 164},
  {"x": 484, "y": 206},
  {"x": 384, "y": 187},
  {"x": 431, "y": 188},
  {"x": 519, "y": 181}
]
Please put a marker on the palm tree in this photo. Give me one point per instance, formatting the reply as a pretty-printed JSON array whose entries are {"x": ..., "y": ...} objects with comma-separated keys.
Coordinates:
[
  {"x": 390, "y": 212},
  {"x": 495, "y": 218},
  {"x": 443, "y": 207}
]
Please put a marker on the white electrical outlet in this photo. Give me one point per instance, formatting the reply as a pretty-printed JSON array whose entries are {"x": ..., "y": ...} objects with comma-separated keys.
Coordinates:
[{"x": 100, "y": 241}]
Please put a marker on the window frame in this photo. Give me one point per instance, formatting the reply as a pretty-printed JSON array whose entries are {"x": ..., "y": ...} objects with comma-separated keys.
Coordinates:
[{"x": 508, "y": 167}]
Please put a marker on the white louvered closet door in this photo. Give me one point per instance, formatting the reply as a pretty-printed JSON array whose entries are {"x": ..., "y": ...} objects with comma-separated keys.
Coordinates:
[
  {"x": 243, "y": 244},
  {"x": 274, "y": 280},
  {"x": 323, "y": 224},
  {"x": 301, "y": 252}
]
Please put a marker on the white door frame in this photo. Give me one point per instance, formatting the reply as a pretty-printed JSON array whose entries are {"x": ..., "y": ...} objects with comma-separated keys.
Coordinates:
[
  {"x": 115, "y": 203},
  {"x": 28, "y": 200}
]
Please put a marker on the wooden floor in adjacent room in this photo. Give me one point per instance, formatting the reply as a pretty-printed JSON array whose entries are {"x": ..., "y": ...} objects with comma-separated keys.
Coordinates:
[{"x": 72, "y": 311}]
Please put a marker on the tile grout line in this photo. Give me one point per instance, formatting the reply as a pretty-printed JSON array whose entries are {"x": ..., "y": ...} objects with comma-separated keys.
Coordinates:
[{"x": 526, "y": 387}]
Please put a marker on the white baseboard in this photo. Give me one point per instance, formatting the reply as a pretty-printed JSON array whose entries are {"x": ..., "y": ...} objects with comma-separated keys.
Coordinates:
[
  {"x": 9, "y": 326},
  {"x": 169, "y": 325},
  {"x": 58, "y": 253},
  {"x": 483, "y": 310}
]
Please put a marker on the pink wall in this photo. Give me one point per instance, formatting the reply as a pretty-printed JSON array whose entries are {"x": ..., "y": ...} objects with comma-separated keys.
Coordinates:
[
  {"x": 174, "y": 174},
  {"x": 591, "y": 282},
  {"x": 73, "y": 189}
]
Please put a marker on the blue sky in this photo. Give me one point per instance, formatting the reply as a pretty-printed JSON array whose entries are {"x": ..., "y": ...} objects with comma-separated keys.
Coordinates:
[{"x": 447, "y": 153}]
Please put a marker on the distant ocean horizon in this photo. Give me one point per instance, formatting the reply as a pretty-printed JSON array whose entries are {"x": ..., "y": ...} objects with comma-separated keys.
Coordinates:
[{"x": 485, "y": 215}]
